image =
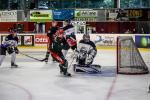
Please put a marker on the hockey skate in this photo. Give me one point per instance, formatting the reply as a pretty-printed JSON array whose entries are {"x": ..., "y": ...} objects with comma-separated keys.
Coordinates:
[
  {"x": 45, "y": 59},
  {"x": 63, "y": 71},
  {"x": 67, "y": 74},
  {"x": 54, "y": 61},
  {"x": 13, "y": 65}
]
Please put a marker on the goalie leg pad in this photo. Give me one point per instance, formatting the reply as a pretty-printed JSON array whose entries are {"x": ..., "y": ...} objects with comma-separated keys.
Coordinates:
[{"x": 87, "y": 68}]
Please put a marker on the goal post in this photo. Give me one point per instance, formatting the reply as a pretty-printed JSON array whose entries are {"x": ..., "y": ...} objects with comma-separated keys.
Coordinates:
[{"x": 129, "y": 59}]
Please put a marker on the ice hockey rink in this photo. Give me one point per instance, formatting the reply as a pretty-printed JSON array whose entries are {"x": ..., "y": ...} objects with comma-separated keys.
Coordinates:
[{"x": 35, "y": 80}]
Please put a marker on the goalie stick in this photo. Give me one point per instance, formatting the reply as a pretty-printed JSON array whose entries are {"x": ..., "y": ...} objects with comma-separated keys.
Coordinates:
[{"x": 31, "y": 57}]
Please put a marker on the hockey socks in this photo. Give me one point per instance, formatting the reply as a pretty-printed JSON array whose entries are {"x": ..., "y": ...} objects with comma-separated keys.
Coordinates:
[{"x": 63, "y": 70}]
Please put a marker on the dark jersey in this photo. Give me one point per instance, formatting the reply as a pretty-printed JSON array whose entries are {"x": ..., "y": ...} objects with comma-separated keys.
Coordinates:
[
  {"x": 51, "y": 32},
  {"x": 11, "y": 37},
  {"x": 10, "y": 40},
  {"x": 58, "y": 44}
]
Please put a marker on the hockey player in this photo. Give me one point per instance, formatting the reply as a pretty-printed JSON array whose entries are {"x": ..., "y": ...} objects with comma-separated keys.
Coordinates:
[
  {"x": 86, "y": 52},
  {"x": 69, "y": 33},
  {"x": 50, "y": 34},
  {"x": 56, "y": 51},
  {"x": 10, "y": 46}
]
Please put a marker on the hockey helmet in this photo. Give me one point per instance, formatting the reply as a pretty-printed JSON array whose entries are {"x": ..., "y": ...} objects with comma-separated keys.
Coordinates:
[
  {"x": 59, "y": 32},
  {"x": 67, "y": 21},
  {"x": 14, "y": 32},
  {"x": 86, "y": 37}
]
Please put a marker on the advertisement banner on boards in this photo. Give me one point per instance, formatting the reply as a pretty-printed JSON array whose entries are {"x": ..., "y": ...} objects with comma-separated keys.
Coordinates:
[
  {"x": 133, "y": 14},
  {"x": 138, "y": 14},
  {"x": 104, "y": 39},
  {"x": 28, "y": 40},
  {"x": 100, "y": 39},
  {"x": 40, "y": 15},
  {"x": 61, "y": 15},
  {"x": 142, "y": 41},
  {"x": 41, "y": 39},
  {"x": 8, "y": 16},
  {"x": 86, "y": 15}
]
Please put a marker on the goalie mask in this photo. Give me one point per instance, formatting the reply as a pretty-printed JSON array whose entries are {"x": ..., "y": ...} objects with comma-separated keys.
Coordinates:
[{"x": 86, "y": 37}]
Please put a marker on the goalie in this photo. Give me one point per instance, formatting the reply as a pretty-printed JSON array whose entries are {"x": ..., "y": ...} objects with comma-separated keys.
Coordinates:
[{"x": 86, "y": 52}]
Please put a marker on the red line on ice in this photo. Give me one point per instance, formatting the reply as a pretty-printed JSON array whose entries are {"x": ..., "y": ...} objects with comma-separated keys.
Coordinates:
[{"x": 111, "y": 88}]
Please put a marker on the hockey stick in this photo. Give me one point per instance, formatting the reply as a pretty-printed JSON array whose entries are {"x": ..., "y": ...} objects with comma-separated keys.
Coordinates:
[{"x": 30, "y": 57}]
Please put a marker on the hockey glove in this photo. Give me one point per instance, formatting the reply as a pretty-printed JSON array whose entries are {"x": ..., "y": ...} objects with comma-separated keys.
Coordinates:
[
  {"x": 71, "y": 42},
  {"x": 16, "y": 50}
]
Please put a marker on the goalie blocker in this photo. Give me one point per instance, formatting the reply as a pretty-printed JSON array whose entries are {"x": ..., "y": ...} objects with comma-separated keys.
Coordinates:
[{"x": 86, "y": 52}]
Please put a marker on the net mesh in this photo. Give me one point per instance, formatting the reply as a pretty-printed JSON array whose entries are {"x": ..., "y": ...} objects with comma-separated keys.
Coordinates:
[{"x": 129, "y": 59}]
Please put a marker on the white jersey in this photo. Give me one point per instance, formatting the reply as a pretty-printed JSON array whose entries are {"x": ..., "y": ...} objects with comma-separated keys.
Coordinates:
[
  {"x": 69, "y": 30},
  {"x": 86, "y": 52},
  {"x": 89, "y": 47}
]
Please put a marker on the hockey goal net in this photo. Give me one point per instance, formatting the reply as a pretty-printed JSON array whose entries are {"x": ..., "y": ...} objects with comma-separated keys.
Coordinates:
[{"x": 129, "y": 59}]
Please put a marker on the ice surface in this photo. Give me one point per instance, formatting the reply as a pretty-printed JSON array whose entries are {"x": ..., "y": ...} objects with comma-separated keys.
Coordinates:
[{"x": 35, "y": 80}]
